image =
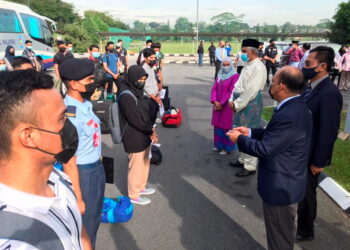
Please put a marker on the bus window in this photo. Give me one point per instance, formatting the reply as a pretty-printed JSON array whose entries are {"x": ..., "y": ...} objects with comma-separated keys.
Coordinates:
[
  {"x": 9, "y": 22},
  {"x": 37, "y": 28}
]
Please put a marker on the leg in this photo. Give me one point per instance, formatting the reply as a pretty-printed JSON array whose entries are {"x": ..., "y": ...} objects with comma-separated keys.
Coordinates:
[
  {"x": 268, "y": 73},
  {"x": 274, "y": 69},
  {"x": 280, "y": 226},
  {"x": 307, "y": 209},
  {"x": 146, "y": 166},
  {"x": 217, "y": 68},
  {"x": 153, "y": 110},
  {"x": 138, "y": 169},
  {"x": 110, "y": 81}
]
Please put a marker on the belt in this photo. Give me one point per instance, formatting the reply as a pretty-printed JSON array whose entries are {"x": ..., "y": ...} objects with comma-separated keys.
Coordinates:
[{"x": 89, "y": 165}]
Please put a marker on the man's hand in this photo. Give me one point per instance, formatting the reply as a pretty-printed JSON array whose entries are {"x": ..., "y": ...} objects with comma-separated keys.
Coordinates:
[
  {"x": 243, "y": 130},
  {"x": 115, "y": 76},
  {"x": 315, "y": 170},
  {"x": 81, "y": 206},
  {"x": 158, "y": 100},
  {"x": 233, "y": 135},
  {"x": 232, "y": 106},
  {"x": 154, "y": 138}
]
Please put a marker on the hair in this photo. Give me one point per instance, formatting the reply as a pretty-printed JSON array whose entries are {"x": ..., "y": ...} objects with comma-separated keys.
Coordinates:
[
  {"x": 156, "y": 46},
  {"x": 307, "y": 46},
  {"x": 120, "y": 40},
  {"x": 324, "y": 54},
  {"x": 17, "y": 103},
  {"x": 293, "y": 78},
  {"x": 109, "y": 43},
  {"x": 67, "y": 43},
  {"x": 341, "y": 51},
  {"x": 149, "y": 41},
  {"x": 28, "y": 41},
  {"x": 19, "y": 61},
  {"x": 58, "y": 43},
  {"x": 93, "y": 47},
  {"x": 148, "y": 52}
]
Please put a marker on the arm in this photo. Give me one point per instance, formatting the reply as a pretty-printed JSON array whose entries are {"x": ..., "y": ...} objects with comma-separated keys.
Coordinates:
[
  {"x": 55, "y": 66},
  {"x": 289, "y": 52},
  {"x": 257, "y": 133},
  {"x": 213, "y": 92},
  {"x": 85, "y": 240},
  {"x": 217, "y": 55},
  {"x": 228, "y": 94},
  {"x": 71, "y": 169}
]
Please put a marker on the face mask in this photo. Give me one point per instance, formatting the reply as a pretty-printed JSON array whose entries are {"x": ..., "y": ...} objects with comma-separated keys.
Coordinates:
[
  {"x": 152, "y": 62},
  {"x": 140, "y": 84},
  {"x": 70, "y": 141},
  {"x": 120, "y": 44},
  {"x": 29, "y": 47},
  {"x": 111, "y": 50},
  {"x": 244, "y": 57},
  {"x": 62, "y": 49},
  {"x": 3, "y": 67},
  {"x": 226, "y": 69},
  {"x": 157, "y": 54},
  {"x": 270, "y": 93},
  {"x": 12, "y": 53},
  {"x": 310, "y": 73},
  {"x": 89, "y": 90},
  {"x": 70, "y": 49},
  {"x": 96, "y": 54}
]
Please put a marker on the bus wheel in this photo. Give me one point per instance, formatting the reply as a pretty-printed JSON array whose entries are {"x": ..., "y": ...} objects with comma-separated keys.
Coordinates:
[{"x": 40, "y": 65}]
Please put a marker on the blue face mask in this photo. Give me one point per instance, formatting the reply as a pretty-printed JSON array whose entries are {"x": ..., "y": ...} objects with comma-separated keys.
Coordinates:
[
  {"x": 29, "y": 47},
  {"x": 96, "y": 54},
  {"x": 244, "y": 57},
  {"x": 226, "y": 69},
  {"x": 3, "y": 67},
  {"x": 157, "y": 54}
]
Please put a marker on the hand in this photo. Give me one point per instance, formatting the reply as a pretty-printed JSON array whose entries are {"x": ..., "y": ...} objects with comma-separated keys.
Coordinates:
[
  {"x": 154, "y": 138},
  {"x": 315, "y": 170},
  {"x": 158, "y": 100},
  {"x": 233, "y": 135},
  {"x": 232, "y": 106},
  {"x": 81, "y": 205},
  {"x": 243, "y": 130},
  {"x": 218, "y": 105},
  {"x": 115, "y": 76}
]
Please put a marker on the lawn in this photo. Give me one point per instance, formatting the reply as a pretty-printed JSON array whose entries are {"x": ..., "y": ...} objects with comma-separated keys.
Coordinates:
[
  {"x": 180, "y": 48},
  {"x": 340, "y": 169}
]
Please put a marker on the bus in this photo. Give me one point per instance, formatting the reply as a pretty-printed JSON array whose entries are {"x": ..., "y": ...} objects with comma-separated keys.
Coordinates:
[{"x": 19, "y": 23}]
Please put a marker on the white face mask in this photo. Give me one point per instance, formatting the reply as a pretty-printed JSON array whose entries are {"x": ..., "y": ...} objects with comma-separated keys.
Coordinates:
[{"x": 3, "y": 67}]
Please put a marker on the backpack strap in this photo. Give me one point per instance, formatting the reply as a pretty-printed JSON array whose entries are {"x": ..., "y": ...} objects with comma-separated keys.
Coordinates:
[
  {"x": 29, "y": 230},
  {"x": 126, "y": 92}
]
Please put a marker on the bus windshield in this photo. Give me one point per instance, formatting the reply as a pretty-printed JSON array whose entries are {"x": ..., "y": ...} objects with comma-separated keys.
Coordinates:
[
  {"x": 37, "y": 28},
  {"x": 9, "y": 22}
]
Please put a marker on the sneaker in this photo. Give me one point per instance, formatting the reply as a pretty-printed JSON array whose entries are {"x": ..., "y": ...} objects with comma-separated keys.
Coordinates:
[
  {"x": 147, "y": 191},
  {"x": 223, "y": 152},
  {"x": 215, "y": 149},
  {"x": 141, "y": 201},
  {"x": 158, "y": 120}
]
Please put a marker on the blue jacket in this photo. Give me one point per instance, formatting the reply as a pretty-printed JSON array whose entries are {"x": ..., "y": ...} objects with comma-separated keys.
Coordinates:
[{"x": 282, "y": 148}]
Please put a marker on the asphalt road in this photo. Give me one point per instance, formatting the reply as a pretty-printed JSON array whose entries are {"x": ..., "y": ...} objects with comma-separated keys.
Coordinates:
[{"x": 200, "y": 203}]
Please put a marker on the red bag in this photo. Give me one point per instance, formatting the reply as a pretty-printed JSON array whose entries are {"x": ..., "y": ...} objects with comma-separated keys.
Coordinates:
[{"x": 172, "y": 118}]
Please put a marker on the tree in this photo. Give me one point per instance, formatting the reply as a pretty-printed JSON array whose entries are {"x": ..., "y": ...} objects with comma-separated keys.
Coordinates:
[
  {"x": 139, "y": 26},
  {"x": 183, "y": 25},
  {"x": 108, "y": 19},
  {"x": 93, "y": 24},
  {"x": 228, "y": 22},
  {"x": 76, "y": 34},
  {"x": 340, "y": 28}
]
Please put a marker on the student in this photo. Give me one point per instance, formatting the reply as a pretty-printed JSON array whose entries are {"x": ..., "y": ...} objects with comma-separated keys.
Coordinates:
[
  {"x": 30, "y": 54},
  {"x": 123, "y": 55},
  {"x": 62, "y": 55},
  {"x": 4, "y": 66},
  {"x": 138, "y": 135},
  {"x": 10, "y": 54},
  {"x": 94, "y": 53},
  {"x": 140, "y": 58},
  {"x": 200, "y": 52},
  {"x": 70, "y": 47},
  {"x": 211, "y": 52},
  {"x": 110, "y": 64},
  {"x": 21, "y": 63}
]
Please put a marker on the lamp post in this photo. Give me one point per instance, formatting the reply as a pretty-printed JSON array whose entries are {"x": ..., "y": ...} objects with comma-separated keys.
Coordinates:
[{"x": 197, "y": 30}]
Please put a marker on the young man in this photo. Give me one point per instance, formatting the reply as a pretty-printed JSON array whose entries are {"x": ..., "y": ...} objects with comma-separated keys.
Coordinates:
[
  {"x": 325, "y": 103},
  {"x": 283, "y": 150},
  {"x": 60, "y": 57},
  {"x": 296, "y": 54},
  {"x": 110, "y": 64},
  {"x": 85, "y": 168},
  {"x": 306, "y": 50},
  {"x": 70, "y": 46},
  {"x": 123, "y": 55},
  {"x": 228, "y": 48},
  {"x": 159, "y": 64},
  {"x": 270, "y": 56},
  {"x": 220, "y": 54},
  {"x": 30, "y": 54},
  {"x": 94, "y": 52},
  {"x": 38, "y": 208},
  {"x": 151, "y": 86},
  {"x": 211, "y": 53},
  {"x": 21, "y": 63},
  {"x": 140, "y": 58}
]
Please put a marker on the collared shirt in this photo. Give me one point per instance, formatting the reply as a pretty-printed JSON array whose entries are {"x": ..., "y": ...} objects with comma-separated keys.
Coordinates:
[
  {"x": 30, "y": 54},
  {"x": 60, "y": 213},
  {"x": 220, "y": 54},
  {"x": 295, "y": 54},
  {"x": 111, "y": 59},
  {"x": 151, "y": 84},
  {"x": 61, "y": 57},
  {"x": 315, "y": 83},
  {"x": 251, "y": 81},
  {"x": 88, "y": 128},
  {"x": 302, "y": 62},
  {"x": 286, "y": 100}
]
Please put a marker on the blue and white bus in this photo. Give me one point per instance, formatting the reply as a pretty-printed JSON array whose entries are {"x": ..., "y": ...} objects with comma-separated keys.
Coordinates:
[{"x": 19, "y": 23}]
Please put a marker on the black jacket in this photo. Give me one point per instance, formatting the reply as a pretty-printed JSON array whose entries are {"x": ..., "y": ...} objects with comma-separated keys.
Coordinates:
[
  {"x": 282, "y": 149},
  {"x": 325, "y": 103},
  {"x": 137, "y": 135},
  {"x": 200, "y": 49}
]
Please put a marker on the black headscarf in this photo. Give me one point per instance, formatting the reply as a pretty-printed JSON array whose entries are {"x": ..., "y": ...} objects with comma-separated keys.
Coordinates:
[
  {"x": 135, "y": 72},
  {"x": 8, "y": 55}
]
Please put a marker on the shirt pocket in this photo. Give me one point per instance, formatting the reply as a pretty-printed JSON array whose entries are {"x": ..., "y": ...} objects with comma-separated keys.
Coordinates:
[{"x": 89, "y": 129}]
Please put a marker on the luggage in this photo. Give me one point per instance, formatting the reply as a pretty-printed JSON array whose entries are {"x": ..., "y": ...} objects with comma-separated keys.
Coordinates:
[
  {"x": 101, "y": 109},
  {"x": 119, "y": 211},
  {"x": 156, "y": 155},
  {"x": 108, "y": 165},
  {"x": 172, "y": 118}
]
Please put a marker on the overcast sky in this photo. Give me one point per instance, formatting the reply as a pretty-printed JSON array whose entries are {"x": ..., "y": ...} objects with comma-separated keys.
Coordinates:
[{"x": 255, "y": 11}]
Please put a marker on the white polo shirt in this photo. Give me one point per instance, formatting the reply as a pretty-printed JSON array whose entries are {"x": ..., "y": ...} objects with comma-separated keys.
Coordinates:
[{"x": 59, "y": 213}]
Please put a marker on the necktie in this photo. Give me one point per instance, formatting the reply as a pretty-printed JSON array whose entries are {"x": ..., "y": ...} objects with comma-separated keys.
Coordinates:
[{"x": 307, "y": 92}]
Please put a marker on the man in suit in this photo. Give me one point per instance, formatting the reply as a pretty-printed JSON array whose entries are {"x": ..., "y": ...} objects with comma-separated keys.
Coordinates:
[
  {"x": 283, "y": 149},
  {"x": 325, "y": 102}
]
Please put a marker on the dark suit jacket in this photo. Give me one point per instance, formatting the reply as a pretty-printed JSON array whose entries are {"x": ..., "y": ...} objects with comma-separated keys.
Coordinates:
[
  {"x": 325, "y": 103},
  {"x": 283, "y": 149}
]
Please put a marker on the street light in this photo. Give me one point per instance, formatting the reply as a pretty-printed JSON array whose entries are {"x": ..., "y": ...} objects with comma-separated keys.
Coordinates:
[{"x": 197, "y": 30}]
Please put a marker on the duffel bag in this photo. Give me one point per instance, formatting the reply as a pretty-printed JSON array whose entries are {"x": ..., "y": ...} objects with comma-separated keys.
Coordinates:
[{"x": 172, "y": 118}]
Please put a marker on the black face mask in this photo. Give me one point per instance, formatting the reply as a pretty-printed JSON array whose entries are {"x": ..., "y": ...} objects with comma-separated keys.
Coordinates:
[
  {"x": 90, "y": 90},
  {"x": 270, "y": 93},
  {"x": 62, "y": 50},
  {"x": 309, "y": 73},
  {"x": 111, "y": 50},
  {"x": 152, "y": 63},
  {"x": 140, "y": 85},
  {"x": 70, "y": 141}
]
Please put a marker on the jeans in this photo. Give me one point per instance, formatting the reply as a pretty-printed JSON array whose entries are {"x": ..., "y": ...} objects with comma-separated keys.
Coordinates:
[{"x": 200, "y": 59}]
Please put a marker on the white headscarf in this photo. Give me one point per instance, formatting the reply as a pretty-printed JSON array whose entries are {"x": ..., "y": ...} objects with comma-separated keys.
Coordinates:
[{"x": 224, "y": 76}]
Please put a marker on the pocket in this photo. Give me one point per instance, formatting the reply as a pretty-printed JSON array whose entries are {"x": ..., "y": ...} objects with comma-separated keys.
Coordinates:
[{"x": 89, "y": 130}]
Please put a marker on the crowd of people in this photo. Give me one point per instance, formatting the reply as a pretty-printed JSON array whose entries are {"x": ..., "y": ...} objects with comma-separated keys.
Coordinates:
[{"x": 65, "y": 207}]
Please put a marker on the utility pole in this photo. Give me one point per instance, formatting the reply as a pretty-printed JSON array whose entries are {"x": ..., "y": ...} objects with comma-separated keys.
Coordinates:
[{"x": 197, "y": 21}]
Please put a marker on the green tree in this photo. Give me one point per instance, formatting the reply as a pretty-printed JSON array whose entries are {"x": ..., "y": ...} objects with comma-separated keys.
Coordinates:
[
  {"x": 108, "y": 19},
  {"x": 139, "y": 26},
  {"x": 76, "y": 34},
  {"x": 228, "y": 22},
  {"x": 93, "y": 24},
  {"x": 182, "y": 24},
  {"x": 340, "y": 28}
]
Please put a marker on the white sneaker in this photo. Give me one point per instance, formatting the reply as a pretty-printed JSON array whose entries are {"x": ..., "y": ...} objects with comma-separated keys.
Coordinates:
[
  {"x": 147, "y": 191},
  {"x": 223, "y": 152},
  {"x": 215, "y": 149},
  {"x": 141, "y": 201}
]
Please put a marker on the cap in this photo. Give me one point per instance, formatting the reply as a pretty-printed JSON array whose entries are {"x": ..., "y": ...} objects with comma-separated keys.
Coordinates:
[
  {"x": 76, "y": 69},
  {"x": 250, "y": 43}
]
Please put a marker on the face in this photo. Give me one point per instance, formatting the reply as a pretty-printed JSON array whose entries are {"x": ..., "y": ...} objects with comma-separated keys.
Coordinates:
[
  {"x": 94, "y": 50},
  {"x": 226, "y": 64},
  {"x": 24, "y": 66},
  {"x": 29, "y": 45},
  {"x": 221, "y": 44},
  {"x": 311, "y": 62},
  {"x": 276, "y": 87},
  {"x": 62, "y": 47},
  {"x": 150, "y": 58},
  {"x": 148, "y": 44},
  {"x": 142, "y": 79},
  {"x": 295, "y": 45},
  {"x": 156, "y": 50},
  {"x": 110, "y": 47},
  {"x": 80, "y": 85},
  {"x": 12, "y": 51},
  {"x": 69, "y": 45},
  {"x": 2, "y": 62}
]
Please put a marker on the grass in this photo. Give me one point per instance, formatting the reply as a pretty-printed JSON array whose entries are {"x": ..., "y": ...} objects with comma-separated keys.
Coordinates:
[
  {"x": 180, "y": 48},
  {"x": 340, "y": 169}
]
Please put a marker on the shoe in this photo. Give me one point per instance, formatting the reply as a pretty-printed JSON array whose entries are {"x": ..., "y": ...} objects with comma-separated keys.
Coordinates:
[
  {"x": 236, "y": 164},
  {"x": 244, "y": 173},
  {"x": 215, "y": 149},
  {"x": 223, "y": 152},
  {"x": 147, "y": 191},
  {"x": 158, "y": 120},
  {"x": 299, "y": 238},
  {"x": 141, "y": 201}
]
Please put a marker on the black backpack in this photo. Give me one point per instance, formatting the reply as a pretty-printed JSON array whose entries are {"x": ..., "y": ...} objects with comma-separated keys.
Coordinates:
[
  {"x": 100, "y": 73},
  {"x": 157, "y": 155}
]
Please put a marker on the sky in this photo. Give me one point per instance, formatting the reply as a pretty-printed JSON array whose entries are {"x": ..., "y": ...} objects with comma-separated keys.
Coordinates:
[{"x": 278, "y": 12}]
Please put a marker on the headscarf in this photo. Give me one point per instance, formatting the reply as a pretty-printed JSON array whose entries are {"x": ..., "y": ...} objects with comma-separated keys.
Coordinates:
[
  {"x": 224, "y": 76},
  {"x": 8, "y": 56},
  {"x": 135, "y": 72},
  {"x": 7, "y": 63}
]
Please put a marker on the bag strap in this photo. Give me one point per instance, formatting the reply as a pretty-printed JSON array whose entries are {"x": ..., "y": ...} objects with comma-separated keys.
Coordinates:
[
  {"x": 128, "y": 92},
  {"x": 40, "y": 235}
]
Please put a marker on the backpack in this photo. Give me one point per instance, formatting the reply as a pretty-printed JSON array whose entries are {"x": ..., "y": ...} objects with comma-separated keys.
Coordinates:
[
  {"x": 157, "y": 155},
  {"x": 114, "y": 119},
  {"x": 100, "y": 73}
]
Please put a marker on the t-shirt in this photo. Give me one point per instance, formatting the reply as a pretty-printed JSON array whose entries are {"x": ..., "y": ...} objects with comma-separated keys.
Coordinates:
[
  {"x": 111, "y": 59},
  {"x": 123, "y": 53},
  {"x": 30, "y": 54},
  {"x": 151, "y": 84},
  {"x": 60, "y": 57}
]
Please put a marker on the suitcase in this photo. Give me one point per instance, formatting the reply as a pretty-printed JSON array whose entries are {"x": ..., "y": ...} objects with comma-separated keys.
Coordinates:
[
  {"x": 172, "y": 118},
  {"x": 101, "y": 109}
]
